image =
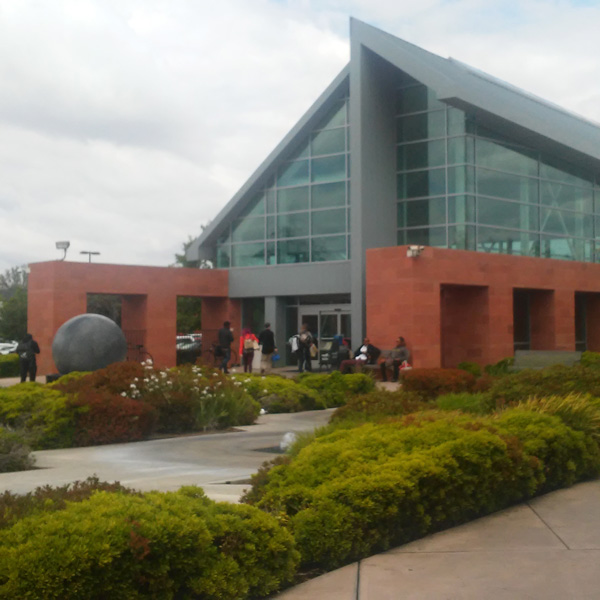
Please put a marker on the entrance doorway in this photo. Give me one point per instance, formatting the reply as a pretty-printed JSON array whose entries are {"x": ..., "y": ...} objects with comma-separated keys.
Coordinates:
[{"x": 326, "y": 321}]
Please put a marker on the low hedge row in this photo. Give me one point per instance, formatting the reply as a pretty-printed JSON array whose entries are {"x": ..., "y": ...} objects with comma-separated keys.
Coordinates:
[
  {"x": 353, "y": 492},
  {"x": 431, "y": 383},
  {"x": 155, "y": 545},
  {"x": 9, "y": 365}
]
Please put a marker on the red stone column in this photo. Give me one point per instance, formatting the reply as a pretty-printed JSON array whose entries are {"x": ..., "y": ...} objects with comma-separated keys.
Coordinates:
[
  {"x": 564, "y": 319},
  {"x": 501, "y": 324}
]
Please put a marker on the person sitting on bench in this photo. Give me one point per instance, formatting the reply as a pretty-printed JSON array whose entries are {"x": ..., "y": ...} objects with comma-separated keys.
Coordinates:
[
  {"x": 395, "y": 359},
  {"x": 367, "y": 354}
]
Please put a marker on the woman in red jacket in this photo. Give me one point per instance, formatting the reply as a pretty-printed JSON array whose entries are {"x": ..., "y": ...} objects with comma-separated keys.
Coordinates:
[{"x": 248, "y": 343}]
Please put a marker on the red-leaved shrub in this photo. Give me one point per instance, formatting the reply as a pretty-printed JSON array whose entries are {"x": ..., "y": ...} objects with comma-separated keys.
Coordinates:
[
  {"x": 431, "y": 383},
  {"x": 106, "y": 418}
]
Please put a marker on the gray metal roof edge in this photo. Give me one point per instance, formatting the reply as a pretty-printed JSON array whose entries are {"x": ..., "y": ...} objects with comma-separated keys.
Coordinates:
[
  {"x": 213, "y": 228},
  {"x": 451, "y": 78}
]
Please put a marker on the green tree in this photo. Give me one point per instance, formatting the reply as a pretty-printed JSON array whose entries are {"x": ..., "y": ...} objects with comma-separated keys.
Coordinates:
[{"x": 13, "y": 303}]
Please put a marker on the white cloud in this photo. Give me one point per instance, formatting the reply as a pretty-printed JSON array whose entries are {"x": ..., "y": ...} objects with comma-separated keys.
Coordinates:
[{"x": 125, "y": 124}]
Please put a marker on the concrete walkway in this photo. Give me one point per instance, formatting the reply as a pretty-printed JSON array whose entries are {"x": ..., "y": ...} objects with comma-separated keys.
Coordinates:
[{"x": 546, "y": 549}]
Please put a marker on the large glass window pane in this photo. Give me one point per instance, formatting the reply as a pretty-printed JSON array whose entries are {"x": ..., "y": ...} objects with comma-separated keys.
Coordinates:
[
  {"x": 456, "y": 121},
  {"x": 292, "y": 199},
  {"x": 292, "y": 251},
  {"x": 223, "y": 256},
  {"x": 504, "y": 241},
  {"x": 248, "y": 255},
  {"x": 504, "y": 185},
  {"x": 564, "y": 248},
  {"x": 292, "y": 225},
  {"x": 497, "y": 156},
  {"x": 255, "y": 207},
  {"x": 422, "y": 183},
  {"x": 328, "y": 221},
  {"x": 302, "y": 152},
  {"x": 328, "y": 194},
  {"x": 329, "y": 248},
  {"x": 421, "y": 126},
  {"x": 560, "y": 195},
  {"x": 332, "y": 168},
  {"x": 461, "y": 237},
  {"x": 248, "y": 229},
  {"x": 295, "y": 173},
  {"x": 335, "y": 118},
  {"x": 461, "y": 180},
  {"x": 418, "y": 213},
  {"x": 329, "y": 141},
  {"x": 461, "y": 150},
  {"x": 461, "y": 209},
  {"x": 507, "y": 214},
  {"x": 271, "y": 202},
  {"x": 417, "y": 98},
  {"x": 433, "y": 236},
  {"x": 271, "y": 227},
  {"x": 566, "y": 223},
  {"x": 224, "y": 238},
  {"x": 421, "y": 155},
  {"x": 271, "y": 257},
  {"x": 553, "y": 168}
]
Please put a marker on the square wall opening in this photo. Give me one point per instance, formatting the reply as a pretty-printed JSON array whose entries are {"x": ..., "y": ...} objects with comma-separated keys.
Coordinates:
[
  {"x": 533, "y": 319},
  {"x": 587, "y": 321}
]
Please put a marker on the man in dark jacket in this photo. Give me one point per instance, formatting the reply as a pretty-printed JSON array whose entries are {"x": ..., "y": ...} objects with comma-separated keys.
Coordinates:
[
  {"x": 27, "y": 349},
  {"x": 225, "y": 339},
  {"x": 266, "y": 339},
  {"x": 366, "y": 354}
]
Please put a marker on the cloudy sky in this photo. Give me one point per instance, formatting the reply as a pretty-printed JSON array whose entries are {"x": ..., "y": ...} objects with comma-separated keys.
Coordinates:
[{"x": 127, "y": 124}]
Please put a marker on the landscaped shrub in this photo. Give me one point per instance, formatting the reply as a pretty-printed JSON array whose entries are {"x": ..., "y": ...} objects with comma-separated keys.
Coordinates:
[
  {"x": 590, "y": 359},
  {"x": 552, "y": 381},
  {"x": 377, "y": 405},
  {"x": 431, "y": 383},
  {"x": 470, "y": 367},
  {"x": 502, "y": 367},
  {"x": 105, "y": 418},
  {"x": 356, "y": 491},
  {"x": 171, "y": 545},
  {"x": 9, "y": 365},
  {"x": 479, "y": 403},
  {"x": 334, "y": 388},
  {"x": 14, "y": 507},
  {"x": 280, "y": 395},
  {"x": 116, "y": 378},
  {"x": 40, "y": 413},
  {"x": 15, "y": 454}
]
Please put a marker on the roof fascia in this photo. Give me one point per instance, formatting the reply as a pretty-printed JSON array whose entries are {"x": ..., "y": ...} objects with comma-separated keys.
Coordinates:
[{"x": 286, "y": 146}]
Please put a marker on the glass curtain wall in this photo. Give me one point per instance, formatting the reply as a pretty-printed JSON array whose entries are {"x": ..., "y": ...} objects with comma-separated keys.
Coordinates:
[
  {"x": 302, "y": 214},
  {"x": 460, "y": 185}
]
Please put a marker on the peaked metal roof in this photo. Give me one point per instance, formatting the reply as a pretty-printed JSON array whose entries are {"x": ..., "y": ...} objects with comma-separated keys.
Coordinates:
[{"x": 520, "y": 114}]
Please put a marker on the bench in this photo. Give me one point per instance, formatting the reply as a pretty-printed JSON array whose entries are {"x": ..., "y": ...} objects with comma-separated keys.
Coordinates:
[
  {"x": 539, "y": 359},
  {"x": 376, "y": 367}
]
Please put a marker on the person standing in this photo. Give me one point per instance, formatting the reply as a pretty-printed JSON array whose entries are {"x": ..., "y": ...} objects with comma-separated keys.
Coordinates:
[
  {"x": 225, "y": 339},
  {"x": 27, "y": 349},
  {"x": 305, "y": 341},
  {"x": 266, "y": 338},
  {"x": 248, "y": 343}
]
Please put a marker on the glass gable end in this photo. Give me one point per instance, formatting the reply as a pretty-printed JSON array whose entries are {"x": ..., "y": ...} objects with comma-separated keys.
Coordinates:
[
  {"x": 292, "y": 219},
  {"x": 462, "y": 185}
]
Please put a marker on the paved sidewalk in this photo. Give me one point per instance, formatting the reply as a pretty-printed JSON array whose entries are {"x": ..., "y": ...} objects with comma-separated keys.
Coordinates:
[{"x": 545, "y": 549}]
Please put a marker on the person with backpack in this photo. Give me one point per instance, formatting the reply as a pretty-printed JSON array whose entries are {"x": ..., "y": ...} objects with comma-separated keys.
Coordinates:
[
  {"x": 248, "y": 343},
  {"x": 305, "y": 341},
  {"x": 27, "y": 349}
]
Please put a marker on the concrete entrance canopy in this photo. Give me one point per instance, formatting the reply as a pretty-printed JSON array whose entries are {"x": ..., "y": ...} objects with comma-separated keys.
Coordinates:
[
  {"x": 58, "y": 291},
  {"x": 454, "y": 305}
]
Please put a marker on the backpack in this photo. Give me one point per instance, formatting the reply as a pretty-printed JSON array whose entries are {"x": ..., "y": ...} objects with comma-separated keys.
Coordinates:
[
  {"x": 305, "y": 337},
  {"x": 248, "y": 344}
]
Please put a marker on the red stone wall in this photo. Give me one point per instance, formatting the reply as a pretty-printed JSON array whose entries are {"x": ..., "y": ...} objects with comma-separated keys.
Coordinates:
[
  {"x": 404, "y": 297},
  {"x": 58, "y": 291}
]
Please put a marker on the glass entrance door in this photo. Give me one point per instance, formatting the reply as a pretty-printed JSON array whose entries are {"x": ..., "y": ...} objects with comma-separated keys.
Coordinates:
[{"x": 325, "y": 322}]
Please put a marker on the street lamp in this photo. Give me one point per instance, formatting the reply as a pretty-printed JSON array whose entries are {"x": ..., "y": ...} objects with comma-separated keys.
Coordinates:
[
  {"x": 89, "y": 253},
  {"x": 64, "y": 246}
]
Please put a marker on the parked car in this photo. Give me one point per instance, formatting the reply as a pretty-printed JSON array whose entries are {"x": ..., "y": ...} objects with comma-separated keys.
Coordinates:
[
  {"x": 188, "y": 348},
  {"x": 8, "y": 347}
]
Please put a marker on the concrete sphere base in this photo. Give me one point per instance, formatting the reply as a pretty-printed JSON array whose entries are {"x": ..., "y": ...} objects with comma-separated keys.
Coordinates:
[{"x": 87, "y": 343}]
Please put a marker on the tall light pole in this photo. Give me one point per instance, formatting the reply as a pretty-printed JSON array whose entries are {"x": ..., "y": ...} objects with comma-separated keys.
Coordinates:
[
  {"x": 89, "y": 253},
  {"x": 64, "y": 246}
]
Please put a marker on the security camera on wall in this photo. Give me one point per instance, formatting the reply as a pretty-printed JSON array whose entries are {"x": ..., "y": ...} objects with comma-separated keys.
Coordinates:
[{"x": 414, "y": 251}]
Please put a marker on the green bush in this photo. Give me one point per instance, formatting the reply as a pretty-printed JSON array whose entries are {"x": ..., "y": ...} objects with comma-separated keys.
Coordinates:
[
  {"x": 280, "y": 395},
  {"x": 590, "y": 359},
  {"x": 9, "y": 365},
  {"x": 42, "y": 414},
  {"x": 552, "y": 381},
  {"x": 353, "y": 492},
  {"x": 479, "y": 403},
  {"x": 431, "y": 383},
  {"x": 377, "y": 405},
  {"x": 160, "y": 545},
  {"x": 15, "y": 454},
  {"x": 470, "y": 367},
  {"x": 334, "y": 388},
  {"x": 502, "y": 367}
]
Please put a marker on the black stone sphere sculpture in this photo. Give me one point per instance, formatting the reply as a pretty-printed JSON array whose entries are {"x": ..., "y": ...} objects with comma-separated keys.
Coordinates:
[{"x": 87, "y": 343}]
